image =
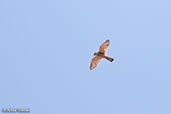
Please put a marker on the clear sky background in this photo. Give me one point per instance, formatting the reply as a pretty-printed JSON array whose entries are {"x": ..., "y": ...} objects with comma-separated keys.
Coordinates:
[{"x": 46, "y": 48}]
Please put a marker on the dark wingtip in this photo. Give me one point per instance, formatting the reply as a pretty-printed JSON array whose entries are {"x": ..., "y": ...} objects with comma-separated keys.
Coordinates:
[{"x": 113, "y": 60}]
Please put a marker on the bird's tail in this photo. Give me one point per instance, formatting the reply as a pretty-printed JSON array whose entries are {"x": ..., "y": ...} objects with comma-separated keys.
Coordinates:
[{"x": 109, "y": 58}]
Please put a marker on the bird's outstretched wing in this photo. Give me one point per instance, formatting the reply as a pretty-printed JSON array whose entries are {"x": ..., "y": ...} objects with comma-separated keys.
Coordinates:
[
  {"x": 95, "y": 61},
  {"x": 104, "y": 46}
]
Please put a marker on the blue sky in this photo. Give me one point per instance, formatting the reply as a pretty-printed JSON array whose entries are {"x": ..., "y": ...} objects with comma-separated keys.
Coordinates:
[{"x": 46, "y": 48}]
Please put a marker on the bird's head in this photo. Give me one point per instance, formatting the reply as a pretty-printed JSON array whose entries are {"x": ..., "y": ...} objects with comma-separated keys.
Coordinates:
[{"x": 95, "y": 54}]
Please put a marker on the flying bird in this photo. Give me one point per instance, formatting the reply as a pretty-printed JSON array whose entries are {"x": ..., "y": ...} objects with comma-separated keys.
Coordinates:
[{"x": 100, "y": 55}]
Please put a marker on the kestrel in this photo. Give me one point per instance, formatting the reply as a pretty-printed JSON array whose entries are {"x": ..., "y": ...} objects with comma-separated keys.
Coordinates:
[{"x": 100, "y": 55}]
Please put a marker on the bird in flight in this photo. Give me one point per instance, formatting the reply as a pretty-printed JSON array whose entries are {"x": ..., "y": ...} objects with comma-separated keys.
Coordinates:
[{"x": 100, "y": 55}]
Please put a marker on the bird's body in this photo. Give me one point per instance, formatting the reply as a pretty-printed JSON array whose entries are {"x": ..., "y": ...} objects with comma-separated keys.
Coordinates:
[{"x": 100, "y": 55}]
